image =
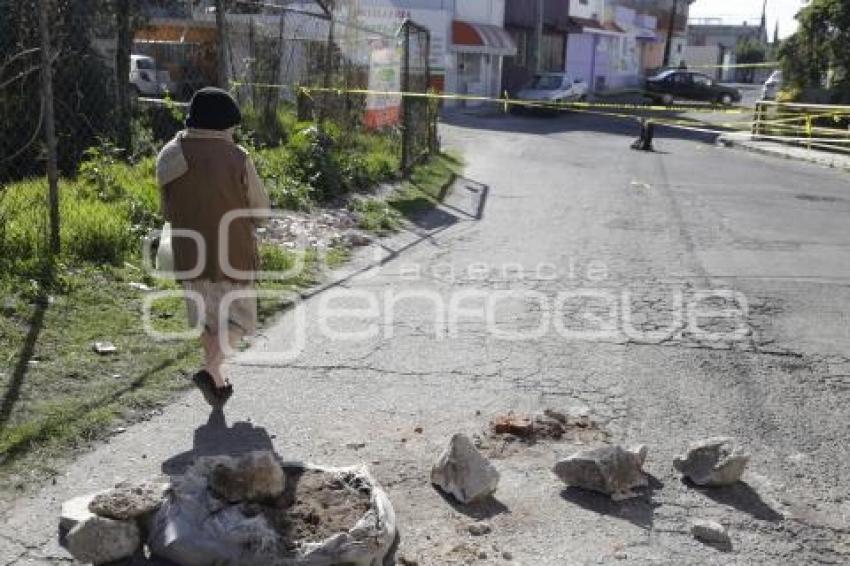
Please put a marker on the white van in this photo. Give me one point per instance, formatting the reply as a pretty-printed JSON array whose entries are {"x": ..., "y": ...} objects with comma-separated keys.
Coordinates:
[{"x": 146, "y": 80}]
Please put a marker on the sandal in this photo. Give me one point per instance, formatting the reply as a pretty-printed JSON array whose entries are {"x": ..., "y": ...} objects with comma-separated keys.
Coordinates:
[{"x": 214, "y": 396}]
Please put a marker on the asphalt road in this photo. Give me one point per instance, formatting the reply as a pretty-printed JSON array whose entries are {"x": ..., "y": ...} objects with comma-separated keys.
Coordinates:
[{"x": 559, "y": 225}]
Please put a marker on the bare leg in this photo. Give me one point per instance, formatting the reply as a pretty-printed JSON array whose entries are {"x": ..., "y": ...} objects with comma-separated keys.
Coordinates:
[{"x": 213, "y": 357}]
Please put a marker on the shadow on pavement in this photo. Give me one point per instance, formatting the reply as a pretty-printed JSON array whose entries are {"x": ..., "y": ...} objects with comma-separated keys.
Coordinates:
[
  {"x": 478, "y": 510},
  {"x": 639, "y": 511},
  {"x": 215, "y": 438},
  {"x": 742, "y": 497},
  {"x": 570, "y": 122}
]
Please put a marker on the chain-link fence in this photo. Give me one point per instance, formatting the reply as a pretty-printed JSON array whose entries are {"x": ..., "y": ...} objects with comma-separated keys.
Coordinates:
[
  {"x": 335, "y": 67},
  {"x": 331, "y": 65}
]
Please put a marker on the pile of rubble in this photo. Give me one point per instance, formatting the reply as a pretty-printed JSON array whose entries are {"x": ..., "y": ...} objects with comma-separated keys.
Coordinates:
[
  {"x": 468, "y": 476},
  {"x": 253, "y": 509},
  {"x": 322, "y": 229},
  {"x": 247, "y": 510}
]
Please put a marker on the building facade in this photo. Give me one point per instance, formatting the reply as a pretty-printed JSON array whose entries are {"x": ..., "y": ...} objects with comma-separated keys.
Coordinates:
[
  {"x": 468, "y": 39},
  {"x": 615, "y": 43},
  {"x": 712, "y": 46},
  {"x": 521, "y": 20}
]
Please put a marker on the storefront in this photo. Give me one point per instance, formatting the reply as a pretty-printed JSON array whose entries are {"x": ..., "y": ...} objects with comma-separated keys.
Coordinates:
[{"x": 478, "y": 50}]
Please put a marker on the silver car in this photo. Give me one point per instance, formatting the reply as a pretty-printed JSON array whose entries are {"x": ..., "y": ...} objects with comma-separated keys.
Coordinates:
[{"x": 553, "y": 87}]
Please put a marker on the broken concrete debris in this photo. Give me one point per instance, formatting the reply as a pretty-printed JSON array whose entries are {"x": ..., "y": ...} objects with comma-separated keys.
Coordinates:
[
  {"x": 75, "y": 511},
  {"x": 713, "y": 462},
  {"x": 235, "y": 510},
  {"x": 612, "y": 470},
  {"x": 99, "y": 540},
  {"x": 710, "y": 532},
  {"x": 479, "y": 529},
  {"x": 129, "y": 500},
  {"x": 462, "y": 472}
]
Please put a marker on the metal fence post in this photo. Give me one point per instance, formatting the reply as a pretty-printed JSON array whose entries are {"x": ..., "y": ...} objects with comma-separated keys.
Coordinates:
[
  {"x": 430, "y": 105},
  {"x": 405, "y": 110},
  {"x": 49, "y": 128},
  {"x": 757, "y": 116}
]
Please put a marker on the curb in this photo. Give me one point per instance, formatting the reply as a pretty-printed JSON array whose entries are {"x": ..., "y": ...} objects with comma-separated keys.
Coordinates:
[{"x": 819, "y": 158}]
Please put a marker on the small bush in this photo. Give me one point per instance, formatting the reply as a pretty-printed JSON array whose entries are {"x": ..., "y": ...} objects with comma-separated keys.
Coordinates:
[
  {"x": 311, "y": 160},
  {"x": 274, "y": 258},
  {"x": 290, "y": 194},
  {"x": 381, "y": 166}
]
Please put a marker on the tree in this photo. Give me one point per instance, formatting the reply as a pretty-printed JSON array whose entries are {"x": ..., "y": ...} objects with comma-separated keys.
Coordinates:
[
  {"x": 749, "y": 52},
  {"x": 820, "y": 49}
]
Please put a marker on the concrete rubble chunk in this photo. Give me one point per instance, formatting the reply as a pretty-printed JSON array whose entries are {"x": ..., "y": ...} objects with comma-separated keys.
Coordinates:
[
  {"x": 129, "y": 500},
  {"x": 612, "y": 470},
  {"x": 98, "y": 540},
  {"x": 710, "y": 532},
  {"x": 713, "y": 462},
  {"x": 479, "y": 529},
  {"x": 256, "y": 476},
  {"x": 75, "y": 511},
  {"x": 462, "y": 472}
]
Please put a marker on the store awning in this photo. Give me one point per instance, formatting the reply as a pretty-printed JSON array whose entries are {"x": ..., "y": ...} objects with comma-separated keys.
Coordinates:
[
  {"x": 592, "y": 26},
  {"x": 482, "y": 38}
]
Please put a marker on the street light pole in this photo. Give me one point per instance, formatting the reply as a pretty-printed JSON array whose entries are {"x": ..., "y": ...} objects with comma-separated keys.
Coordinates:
[{"x": 670, "y": 29}]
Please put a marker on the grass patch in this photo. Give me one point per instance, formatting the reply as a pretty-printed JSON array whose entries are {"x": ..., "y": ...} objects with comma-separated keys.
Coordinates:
[
  {"x": 427, "y": 185},
  {"x": 57, "y": 392},
  {"x": 426, "y": 188}
]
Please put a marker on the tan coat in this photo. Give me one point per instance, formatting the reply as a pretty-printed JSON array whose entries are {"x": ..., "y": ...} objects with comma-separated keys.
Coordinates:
[{"x": 217, "y": 178}]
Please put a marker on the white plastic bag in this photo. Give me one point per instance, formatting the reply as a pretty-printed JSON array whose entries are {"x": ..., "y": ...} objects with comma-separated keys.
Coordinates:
[{"x": 165, "y": 253}]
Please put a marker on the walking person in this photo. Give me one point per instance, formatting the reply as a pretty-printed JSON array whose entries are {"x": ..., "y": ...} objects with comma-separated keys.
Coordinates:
[{"x": 203, "y": 175}]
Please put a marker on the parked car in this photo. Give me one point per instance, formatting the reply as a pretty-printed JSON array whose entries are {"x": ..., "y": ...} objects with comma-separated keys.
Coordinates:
[
  {"x": 553, "y": 87},
  {"x": 146, "y": 79},
  {"x": 772, "y": 86},
  {"x": 680, "y": 83}
]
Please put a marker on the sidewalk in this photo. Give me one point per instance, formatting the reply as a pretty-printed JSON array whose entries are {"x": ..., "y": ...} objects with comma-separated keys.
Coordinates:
[{"x": 825, "y": 158}]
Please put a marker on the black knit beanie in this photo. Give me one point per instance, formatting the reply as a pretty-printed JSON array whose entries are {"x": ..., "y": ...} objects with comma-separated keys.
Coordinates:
[{"x": 213, "y": 109}]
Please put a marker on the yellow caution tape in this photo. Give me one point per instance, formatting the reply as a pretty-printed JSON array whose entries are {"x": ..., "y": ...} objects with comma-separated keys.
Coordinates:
[
  {"x": 506, "y": 102},
  {"x": 605, "y": 109}
]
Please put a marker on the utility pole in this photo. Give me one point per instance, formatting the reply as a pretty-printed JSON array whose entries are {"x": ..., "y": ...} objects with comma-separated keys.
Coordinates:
[
  {"x": 538, "y": 37},
  {"x": 221, "y": 44},
  {"x": 670, "y": 30},
  {"x": 49, "y": 128}
]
